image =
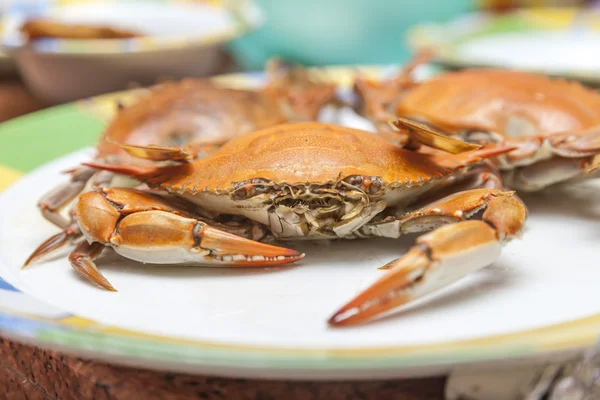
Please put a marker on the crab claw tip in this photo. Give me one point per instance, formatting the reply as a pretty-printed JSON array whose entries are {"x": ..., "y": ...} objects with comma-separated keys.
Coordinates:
[
  {"x": 88, "y": 270},
  {"x": 389, "y": 292},
  {"x": 50, "y": 246},
  {"x": 241, "y": 251}
]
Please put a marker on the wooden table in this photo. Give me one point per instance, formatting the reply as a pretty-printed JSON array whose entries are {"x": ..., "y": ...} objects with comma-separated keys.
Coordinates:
[
  {"x": 15, "y": 100},
  {"x": 31, "y": 373},
  {"x": 28, "y": 372}
]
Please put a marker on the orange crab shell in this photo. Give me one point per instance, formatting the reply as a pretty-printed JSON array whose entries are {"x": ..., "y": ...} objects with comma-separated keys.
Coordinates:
[
  {"x": 306, "y": 153},
  {"x": 491, "y": 100},
  {"x": 176, "y": 113}
]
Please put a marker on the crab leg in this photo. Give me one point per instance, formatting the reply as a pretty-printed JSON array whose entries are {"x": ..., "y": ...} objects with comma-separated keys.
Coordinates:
[
  {"x": 485, "y": 176},
  {"x": 532, "y": 149},
  {"x": 54, "y": 243},
  {"x": 444, "y": 255},
  {"x": 143, "y": 227},
  {"x": 377, "y": 98},
  {"x": 53, "y": 202},
  {"x": 82, "y": 259},
  {"x": 432, "y": 137},
  {"x": 595, "y": 164},
  {"x": 586, "y": 142},
  {"x": 153, "y": 152},
  {"x": 548, "y": 172},
  {"x": 300, "y": 94},
  {"x": 540, "y": 162},
  {"x": 71, "y": 232},
  {"x": 535, "y": 161}
]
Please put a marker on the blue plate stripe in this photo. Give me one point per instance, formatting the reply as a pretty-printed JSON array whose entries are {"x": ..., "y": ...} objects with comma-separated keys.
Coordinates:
[{"x": 7, "y": 286}]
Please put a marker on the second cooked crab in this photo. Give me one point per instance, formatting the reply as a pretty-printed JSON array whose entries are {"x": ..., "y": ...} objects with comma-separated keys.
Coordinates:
[{"x": 553, "y": 124}]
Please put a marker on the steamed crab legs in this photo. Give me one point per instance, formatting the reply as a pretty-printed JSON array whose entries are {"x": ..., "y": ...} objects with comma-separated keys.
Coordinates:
[
  {"x": 196, "y": 114},
  {"x": 308, "y": 181},
  {"x": 553, "y": 124}
]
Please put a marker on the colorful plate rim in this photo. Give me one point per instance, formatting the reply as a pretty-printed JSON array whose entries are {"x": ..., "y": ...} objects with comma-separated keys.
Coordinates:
[
  {"x": 78, "y": 335},
  {"x": 445, "y": 38},
  {"x": 244, "y": 14}
]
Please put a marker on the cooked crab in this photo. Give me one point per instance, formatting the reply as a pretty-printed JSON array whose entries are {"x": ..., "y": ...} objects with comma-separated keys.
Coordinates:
[
  {"x": 553, "y": 124},
  {"x": 307, "y": 181},
  {"x": 194, "y": 113}
]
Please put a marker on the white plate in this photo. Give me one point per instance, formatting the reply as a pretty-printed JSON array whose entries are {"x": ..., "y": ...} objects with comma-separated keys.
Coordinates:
[
  {"x": 539, "y": 298},
  {"x": 548, "y": 277}
]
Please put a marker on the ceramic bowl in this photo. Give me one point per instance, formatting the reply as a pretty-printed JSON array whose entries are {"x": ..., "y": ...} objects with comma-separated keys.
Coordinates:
[{"x": 179, "y": 40}]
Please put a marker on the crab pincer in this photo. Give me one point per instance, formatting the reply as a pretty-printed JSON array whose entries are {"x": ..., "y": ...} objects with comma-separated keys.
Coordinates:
[
  {"x": 442, "y": 256},
  {"x": 145, "y": 228}
]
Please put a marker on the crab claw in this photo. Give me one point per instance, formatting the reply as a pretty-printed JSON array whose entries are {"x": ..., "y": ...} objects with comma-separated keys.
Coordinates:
[
  {"x": 227, "y": 248},
  {"x": 443, "y": 255},
  {"x": 140, "y": 227},
  {"x": 162, "y": 237},
  {"x": 177, "y": 240},
  {"x": 439, "y": 258}
]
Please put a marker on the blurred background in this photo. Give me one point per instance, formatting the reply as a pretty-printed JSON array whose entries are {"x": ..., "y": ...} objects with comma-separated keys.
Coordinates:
[
  {"x": 192, "y": 38},
  {"x": 356, "y": 31},
  {"x": 315, "y": 32}
]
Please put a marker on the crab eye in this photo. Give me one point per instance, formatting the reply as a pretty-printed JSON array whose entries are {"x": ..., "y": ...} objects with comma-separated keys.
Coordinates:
[
  {"x": 242, "y": 193},
  {"x": 375, "y": 185},
  {"x": 250, "y": 188},
  {"x": 369, "y": 184},
  {"x": 354, "y": 180}
]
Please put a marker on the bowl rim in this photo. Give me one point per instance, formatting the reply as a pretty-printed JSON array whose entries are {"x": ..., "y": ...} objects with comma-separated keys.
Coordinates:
[{"x": 245, "y": 17}]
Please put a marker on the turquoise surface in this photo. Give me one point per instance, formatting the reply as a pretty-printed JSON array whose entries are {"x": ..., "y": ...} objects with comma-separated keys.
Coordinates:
[{"x": 329, "y": 32}]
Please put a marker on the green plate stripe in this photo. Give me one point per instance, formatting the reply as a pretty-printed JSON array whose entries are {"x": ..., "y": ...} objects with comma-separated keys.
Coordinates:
[
  {"x": 32, "y": 140},
  {"x": 156, "y": 350}
]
